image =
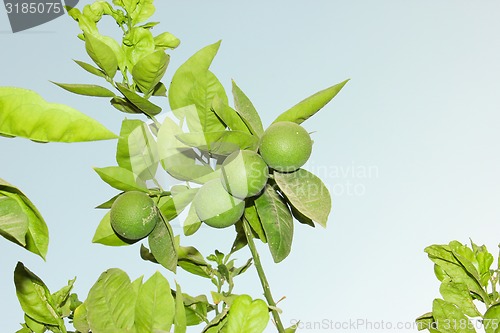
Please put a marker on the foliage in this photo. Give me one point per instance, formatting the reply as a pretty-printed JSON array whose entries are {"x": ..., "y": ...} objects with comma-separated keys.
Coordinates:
[
  {"x": 468, "y": 288},
  {"x": 189, "y": 144}
]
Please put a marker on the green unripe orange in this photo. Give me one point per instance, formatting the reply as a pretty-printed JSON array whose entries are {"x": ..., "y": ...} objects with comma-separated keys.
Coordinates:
[
  {"x": 285, "y": 146},
  {"x": 216, "y": 207},
  {"x": 134, "y": 215},
  {"x": 244, "y": 174}
]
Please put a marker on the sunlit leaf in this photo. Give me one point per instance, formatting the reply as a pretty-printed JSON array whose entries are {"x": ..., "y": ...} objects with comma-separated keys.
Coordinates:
[
  {"x": 180, "y": 312},
  {"x": 137, "y": 150},
  {"x": 309, "y": 106},
  {"x": 277, "y": 222},
  {"x": 105, "y": 234},
  {"x": 161, "y": 243},
  {"x": 307, "y": 193},
  {"x": 111, "y": 303},
  {"x": 155, "y": 307},
  {"x": 194, "y": 84},
  {"x": 247, "y": 316},
  {"x": 140, "y": 102},
  {"x": 86, "y": 89},
  {"x": 247, "y": 111},
  {"x": 121, "y": 178},
  {"x": 37, "y": 236},
  {"x": 26, "y": 114},
  {"x": 221, "y": 142},
  {"x": 101, "y": 54},
  {"x": 34, "y": 296},
  {"x": 148, "y": 71}
]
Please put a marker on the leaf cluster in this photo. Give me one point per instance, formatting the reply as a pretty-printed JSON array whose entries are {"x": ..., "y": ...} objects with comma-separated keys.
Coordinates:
[{"x": 469, "y": 284}]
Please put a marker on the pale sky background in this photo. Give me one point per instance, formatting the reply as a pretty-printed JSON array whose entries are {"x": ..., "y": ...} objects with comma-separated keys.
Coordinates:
[{"x": 409, "y": 148}]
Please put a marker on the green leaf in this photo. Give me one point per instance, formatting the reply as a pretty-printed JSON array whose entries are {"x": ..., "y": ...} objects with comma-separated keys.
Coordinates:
[
  {"x": 13, "y": 221},
  {"x": 26, "y": 114},
  {"x": 241, "y": 239},
  {"x": 466, "y": 257},
  {"x": 240, "y": 270},
  {"x": 80, "y": 321},
  {"x": 124, "y": 105},
  {"x": 484, "y": 262},
  {"x": 180, "y": 312},
  {"x": 426, "y": 322},
  {"x": 37, "y": 236},
  {"x": 33, "y": 325},
  {"x": 252, "y": 217},
  {"x": 91, "y": 69},
  {"x": 309, "y": 106},
  {"x": 221, "y": 297},
  {"x": 137, "y": 150},
  {"x": 137, "y": 44},
  {"x": 144, "y": 10},
  {"x": 148, "y": 71},
  {"x": 172, "y": 206},
  {"x": 221, "y": 142},
  {"x": 161, "y": 243},
  {"x": 196, "y": 309},
  {"x": 160, "y": 90},
  {"x": 101, "y": 54},
  {"x": 229, "y": 116},
  {"x": 141, "y": 103},
  {"x": 121, "y": 179},
  {"x": 442, "y": 256},
  {"x": 291, "y": 329},
  {"x": 247, "y": 316},
  {"x": 307, "y": 193},
  {"x": 218, "y": 324},
  {"x": 146, "y": 255},
  {"x": 491, "y": 319},
  {"x": 86, "y": 23},
  {"x": 449, "y": 319},
  {"x": 105, "y": 234},
  {"x": 277, "y": 222},
  {"x": 458, "y": 294},
  {"x": 179, "y": 160},
  {"x": 300, "y": 217},
  {"x": 166, "y": 40},
  {"x": 193, "y": 83},
  {"x": 25, "y": 329},
  {"x": 440, "y": 273},
  {"x": 247, "y": 111},
  {"x": 86, "y": 89},
  {"x": 192, "y": 261},
  {"x": 111, "y": 303},
  {"x": 34, "y": 296},
  {"x": 109, "y": 203},
  {"x": 192, "y": 222},
  {"x": 155, "y": 307},
  {"x": 61, "y": 296}
]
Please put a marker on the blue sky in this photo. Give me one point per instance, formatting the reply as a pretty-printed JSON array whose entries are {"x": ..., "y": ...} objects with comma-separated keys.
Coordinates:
[{"x": 409, "y": 148}]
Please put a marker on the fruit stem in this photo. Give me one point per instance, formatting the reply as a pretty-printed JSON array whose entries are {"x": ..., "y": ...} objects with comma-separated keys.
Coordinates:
[{"x": 262, "y": 276}]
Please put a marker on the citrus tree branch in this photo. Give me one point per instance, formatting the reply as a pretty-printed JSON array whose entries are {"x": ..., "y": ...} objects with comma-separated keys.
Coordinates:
[{"x": 262, "y": 276}]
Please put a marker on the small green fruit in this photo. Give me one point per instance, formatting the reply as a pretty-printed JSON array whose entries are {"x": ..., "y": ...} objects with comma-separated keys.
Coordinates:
[
  {"x": 285, "y": 146},
  {"x": 216, "y": 207},
  {"x": 134, "y": 215},
  {"x": 244, "y": 174}
]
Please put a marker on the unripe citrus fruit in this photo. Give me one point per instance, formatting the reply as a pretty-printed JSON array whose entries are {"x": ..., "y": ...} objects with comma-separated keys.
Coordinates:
[
  {"x": 244, "y": 174},
  {"x": 285, "y": 146},
  {"x": 133, "y": 215},
  {"x": 216, "y": 207}
]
